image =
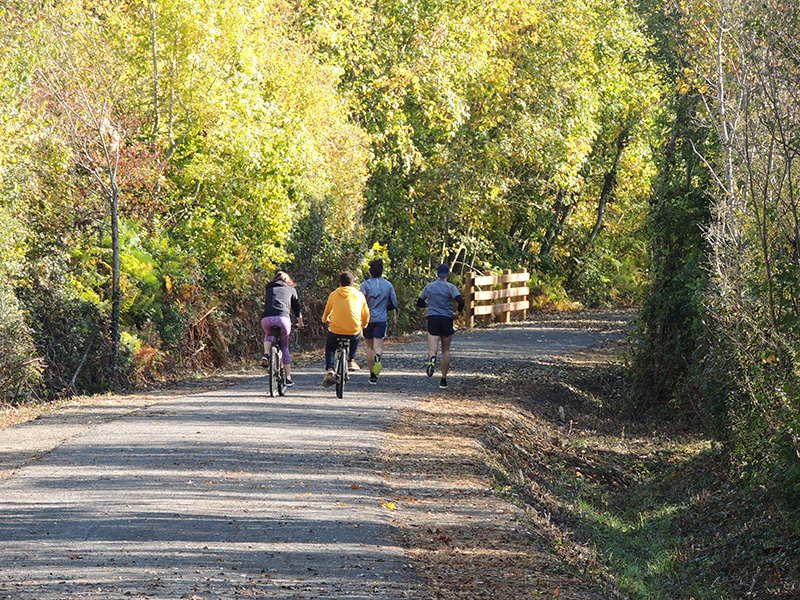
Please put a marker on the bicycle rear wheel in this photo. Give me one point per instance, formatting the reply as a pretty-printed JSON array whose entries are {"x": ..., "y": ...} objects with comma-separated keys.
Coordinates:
[
  {"x": 270, "y": 370},
  {"x": 273, "y": 363},
  {"x": 280, "y": 372},
  {"x": 341, "y": 369}
]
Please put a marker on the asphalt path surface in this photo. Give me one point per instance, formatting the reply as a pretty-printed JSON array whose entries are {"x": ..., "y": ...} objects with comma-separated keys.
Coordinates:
[{"x": 230, "y": 493}]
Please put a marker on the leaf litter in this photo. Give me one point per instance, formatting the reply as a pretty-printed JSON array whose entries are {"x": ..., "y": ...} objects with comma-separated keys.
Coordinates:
[{"x": 532, "y": 484}]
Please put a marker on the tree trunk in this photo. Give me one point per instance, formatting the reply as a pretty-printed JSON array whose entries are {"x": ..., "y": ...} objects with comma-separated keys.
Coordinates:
[
  {"x": 609, "y": 183},
  {"x": 115, "y": 283},
  {"x": 561, "y": 212},
  {"x": 153, "y": 48}
]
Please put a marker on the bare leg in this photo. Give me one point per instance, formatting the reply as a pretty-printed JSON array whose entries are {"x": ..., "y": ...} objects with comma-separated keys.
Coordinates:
[
  {"x": 377, "y": 344},
  {"x": 287, "y": 367},
  {"x": 370, "y": 353},
  {"x": 433, "y": 345},
  {"x": 446, "y": 354}
]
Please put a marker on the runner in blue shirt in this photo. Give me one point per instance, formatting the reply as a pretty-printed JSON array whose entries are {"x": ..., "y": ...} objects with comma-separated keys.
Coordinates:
[
  {"x": 380, "y": 299},
  {"x": 439, "y": 296}
]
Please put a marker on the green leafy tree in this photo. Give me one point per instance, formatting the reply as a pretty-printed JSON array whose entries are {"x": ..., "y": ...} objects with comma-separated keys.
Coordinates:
[
  {"x": 492, "y": 123},
  {"x": 668, "y": 366},
  {"x": 83, "y": 80}
]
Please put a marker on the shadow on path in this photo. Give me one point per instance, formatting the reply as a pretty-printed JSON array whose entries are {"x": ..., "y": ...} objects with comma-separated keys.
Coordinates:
[{"x": 229, "y": 493}]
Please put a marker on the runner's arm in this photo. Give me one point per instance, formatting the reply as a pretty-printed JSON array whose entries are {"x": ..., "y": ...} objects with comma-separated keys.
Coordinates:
[
  {"x": 460, "y": 302},
  {"x": 422, "y": 297},
  {"x": 364, "y": 313}
]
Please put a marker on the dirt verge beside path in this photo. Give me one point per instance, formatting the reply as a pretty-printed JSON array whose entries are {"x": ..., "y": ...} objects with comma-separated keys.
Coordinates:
[{"x": 467, "y": 541}]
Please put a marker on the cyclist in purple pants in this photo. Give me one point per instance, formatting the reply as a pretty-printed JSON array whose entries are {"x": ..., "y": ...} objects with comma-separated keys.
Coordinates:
[{"x": 280, "y": 301}]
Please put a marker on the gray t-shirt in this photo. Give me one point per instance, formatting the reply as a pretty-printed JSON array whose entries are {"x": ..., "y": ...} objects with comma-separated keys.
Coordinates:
[{"x": 440, "y": 295}]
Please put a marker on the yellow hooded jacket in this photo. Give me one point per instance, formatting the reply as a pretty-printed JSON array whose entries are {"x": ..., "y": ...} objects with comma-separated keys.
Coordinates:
[{"x": 347, "y": 311}]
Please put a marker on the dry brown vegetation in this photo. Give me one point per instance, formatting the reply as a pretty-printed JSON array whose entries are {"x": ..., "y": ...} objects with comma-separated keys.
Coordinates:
[{"x": 545, "y": 490}]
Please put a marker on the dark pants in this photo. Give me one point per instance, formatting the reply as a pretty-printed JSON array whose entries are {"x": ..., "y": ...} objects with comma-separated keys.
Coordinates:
[{"x": 332, "y": 342}]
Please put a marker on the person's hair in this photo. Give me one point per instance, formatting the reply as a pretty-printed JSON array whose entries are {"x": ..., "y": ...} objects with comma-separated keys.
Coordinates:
[
  {"x": 284, "y": 277},
  {"x": 346, "y": 279},
  {"x": 376, "y": 267}
]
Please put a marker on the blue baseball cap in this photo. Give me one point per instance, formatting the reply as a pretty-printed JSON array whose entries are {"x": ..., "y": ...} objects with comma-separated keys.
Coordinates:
[{"x": 443, "y": 270}]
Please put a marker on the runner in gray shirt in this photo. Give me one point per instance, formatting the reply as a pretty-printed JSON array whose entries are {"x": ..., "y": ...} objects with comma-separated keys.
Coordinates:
[
  {"x": 439, "y": 296},
  {"x": 380, "y": 299}
]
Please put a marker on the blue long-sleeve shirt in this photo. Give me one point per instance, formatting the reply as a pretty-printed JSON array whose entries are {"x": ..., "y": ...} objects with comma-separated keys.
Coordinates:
[{"x": 379, "y": 293}]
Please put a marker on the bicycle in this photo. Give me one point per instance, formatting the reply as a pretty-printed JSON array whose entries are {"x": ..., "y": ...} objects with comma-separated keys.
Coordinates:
[
  {"x": 342, "y": 371},
  {"x": 275, "y": 368}
]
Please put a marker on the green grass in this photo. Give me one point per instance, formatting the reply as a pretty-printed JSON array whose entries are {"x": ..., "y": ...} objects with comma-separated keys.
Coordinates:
[{"x": 653, "y": 511}]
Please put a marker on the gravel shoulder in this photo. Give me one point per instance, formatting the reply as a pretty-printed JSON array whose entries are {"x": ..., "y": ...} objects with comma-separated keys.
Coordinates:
[{"x": 228, "y": 493}]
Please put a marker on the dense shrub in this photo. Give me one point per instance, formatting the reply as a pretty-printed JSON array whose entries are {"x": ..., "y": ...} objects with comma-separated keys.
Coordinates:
[{"x": 20, "y": 366}]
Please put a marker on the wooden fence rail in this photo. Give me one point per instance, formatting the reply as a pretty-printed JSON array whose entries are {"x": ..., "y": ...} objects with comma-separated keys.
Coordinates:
[{"x": 481, "y": 302}]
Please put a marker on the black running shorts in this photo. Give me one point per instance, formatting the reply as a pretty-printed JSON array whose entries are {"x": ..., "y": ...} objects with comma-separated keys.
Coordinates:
[{"x": 441, "y": 326}]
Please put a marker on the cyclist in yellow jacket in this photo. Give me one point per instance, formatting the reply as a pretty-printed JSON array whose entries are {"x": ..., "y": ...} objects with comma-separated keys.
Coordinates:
[{"x": 346, "y": 314}]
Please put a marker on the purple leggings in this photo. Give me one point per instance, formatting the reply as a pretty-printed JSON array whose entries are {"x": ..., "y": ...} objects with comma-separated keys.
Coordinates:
[{"x": 285, "y": 325}]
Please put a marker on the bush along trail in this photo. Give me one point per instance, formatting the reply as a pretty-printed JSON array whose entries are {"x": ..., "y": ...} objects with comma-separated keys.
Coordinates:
[{"x": 531, "y": 476}]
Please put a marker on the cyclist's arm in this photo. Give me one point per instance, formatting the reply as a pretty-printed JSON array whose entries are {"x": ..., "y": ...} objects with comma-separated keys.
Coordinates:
[
  {"x": 295, "y": 302},
  {"x": 328, "y": 308}
]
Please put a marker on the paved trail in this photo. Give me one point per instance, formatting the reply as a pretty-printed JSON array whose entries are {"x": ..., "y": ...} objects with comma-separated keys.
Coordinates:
[{"x": 228, "y": 493}]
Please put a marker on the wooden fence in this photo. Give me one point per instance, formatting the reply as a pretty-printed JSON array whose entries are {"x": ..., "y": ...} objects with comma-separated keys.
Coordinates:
[{"x": 480, "y": 302}]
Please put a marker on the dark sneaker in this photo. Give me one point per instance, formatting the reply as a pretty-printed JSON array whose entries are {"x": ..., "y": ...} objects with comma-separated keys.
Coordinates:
[
  {"x": 330, "y": 379},
  {"x": 289, "y": 383},
  {"x": 373, "y": 379},
  {"x": 443, "y": 384},
  {"x": 431, "y": 366},
  {"x": 265, "y": 361},
  {"x": 378, "y": 367}
]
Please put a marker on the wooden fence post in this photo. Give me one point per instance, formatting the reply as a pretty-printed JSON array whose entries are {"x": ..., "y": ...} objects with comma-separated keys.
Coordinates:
[
  {"x": 507, "y": 286},
  {"x": 469, "y": 295},
  {"x": 523, "y": 314}
]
